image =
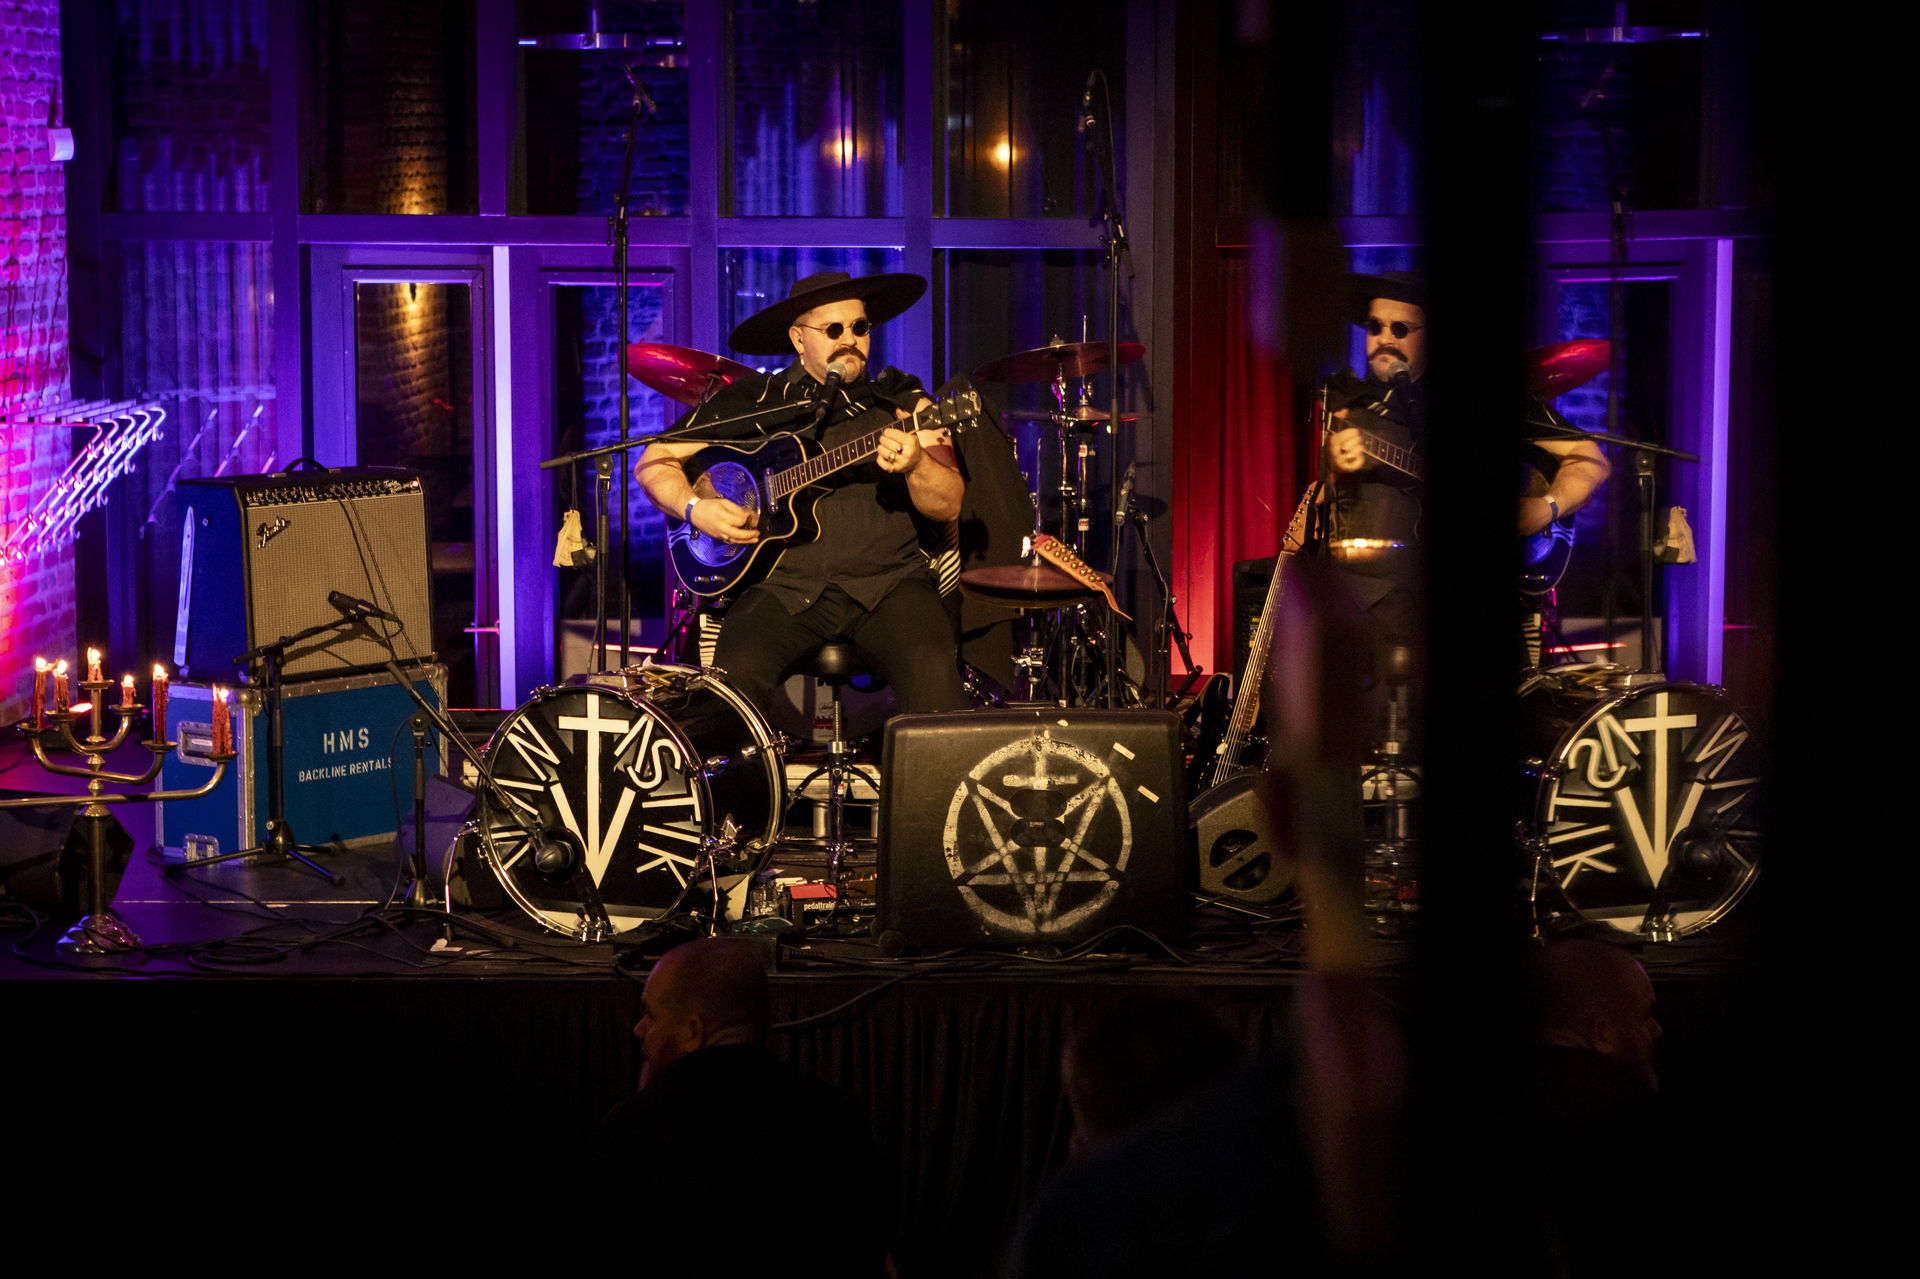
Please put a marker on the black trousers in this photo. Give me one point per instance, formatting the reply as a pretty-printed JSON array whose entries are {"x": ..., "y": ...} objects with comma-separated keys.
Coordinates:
[{"x": 909, "y": 639}]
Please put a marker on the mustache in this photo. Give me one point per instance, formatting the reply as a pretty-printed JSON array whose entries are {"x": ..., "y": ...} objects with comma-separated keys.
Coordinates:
[
  {"x": 839, "y": 351},
  {"x": 1388, "y": 349}
]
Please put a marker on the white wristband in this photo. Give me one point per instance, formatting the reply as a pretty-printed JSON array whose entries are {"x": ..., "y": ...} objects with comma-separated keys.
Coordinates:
[
  {"x": 1554, "y": 507},
  {"x": 687, "y": 515}
]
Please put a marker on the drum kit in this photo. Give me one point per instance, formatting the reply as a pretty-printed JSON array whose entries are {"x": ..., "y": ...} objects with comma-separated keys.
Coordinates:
[{"x": 620, "y": 798}]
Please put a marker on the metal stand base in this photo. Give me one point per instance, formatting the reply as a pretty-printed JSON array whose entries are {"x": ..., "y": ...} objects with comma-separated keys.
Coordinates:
[{"x": 104, "y": 933}]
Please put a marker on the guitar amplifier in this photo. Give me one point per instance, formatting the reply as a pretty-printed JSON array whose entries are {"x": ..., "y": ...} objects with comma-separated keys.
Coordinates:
[
  {"x": 1039, "y": 827},
  {"x": 259, "y": 554}
]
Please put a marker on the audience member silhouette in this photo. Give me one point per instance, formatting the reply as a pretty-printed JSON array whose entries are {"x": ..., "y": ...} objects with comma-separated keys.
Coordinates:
[{"x": 726, "y": 1159}]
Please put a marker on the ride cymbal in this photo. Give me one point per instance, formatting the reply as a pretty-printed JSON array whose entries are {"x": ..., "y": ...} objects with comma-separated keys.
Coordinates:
[{"x": 1057, "y": 359}]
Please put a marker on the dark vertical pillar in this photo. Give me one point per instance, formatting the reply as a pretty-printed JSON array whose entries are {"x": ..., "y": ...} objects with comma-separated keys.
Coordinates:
[{"x": 1468, "y": 1199}]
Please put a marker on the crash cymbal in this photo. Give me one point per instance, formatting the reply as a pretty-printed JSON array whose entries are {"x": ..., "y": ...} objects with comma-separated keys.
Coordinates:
[
  {"x": 1557, "y": 369},
  {"x": 1063, "y": 359},
  {"x": 1022, "y": 586},
  {"x": 1085, "y": 415},
  {"x": 681, "y": 372}
]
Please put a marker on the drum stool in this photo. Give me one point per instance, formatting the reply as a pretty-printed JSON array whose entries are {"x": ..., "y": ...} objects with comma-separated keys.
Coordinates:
[{"x": 836, "y": 664}]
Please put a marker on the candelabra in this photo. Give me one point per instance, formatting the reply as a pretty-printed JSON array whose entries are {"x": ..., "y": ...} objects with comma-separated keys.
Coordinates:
[{"x": 101, "y": 931}]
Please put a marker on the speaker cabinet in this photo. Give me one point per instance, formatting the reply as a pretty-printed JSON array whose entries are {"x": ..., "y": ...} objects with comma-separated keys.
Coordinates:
[
  {"x": 1038, "y": 827},
  {"x": 1238, "y": 854},
  {"x": 259, "y": 555}
]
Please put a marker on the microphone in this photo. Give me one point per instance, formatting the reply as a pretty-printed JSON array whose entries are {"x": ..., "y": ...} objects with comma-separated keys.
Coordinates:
[
  {"x": 1085, "y": 122},
  {"x": 838, "y": 371},
  {"x": 1398, "y": 373},
  {"x": 1126, "y": 485},
  {"x": 351, "y": 607}
]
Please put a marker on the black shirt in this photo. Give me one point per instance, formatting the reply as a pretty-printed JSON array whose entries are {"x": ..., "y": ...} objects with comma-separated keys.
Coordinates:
[{"x": 869, "y": 539}]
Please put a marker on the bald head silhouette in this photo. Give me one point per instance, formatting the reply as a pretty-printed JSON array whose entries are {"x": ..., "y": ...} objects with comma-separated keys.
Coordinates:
[{"x": 703, "y": 994}]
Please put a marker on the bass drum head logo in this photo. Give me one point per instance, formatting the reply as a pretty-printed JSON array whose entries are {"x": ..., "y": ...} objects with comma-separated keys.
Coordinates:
[{"x": 1037, "y": 838}]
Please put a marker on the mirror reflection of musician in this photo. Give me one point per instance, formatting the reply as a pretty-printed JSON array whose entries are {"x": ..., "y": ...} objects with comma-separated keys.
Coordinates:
[
  {"x": 1371, "y": 496},
  {"x": 864, "y": 579}
]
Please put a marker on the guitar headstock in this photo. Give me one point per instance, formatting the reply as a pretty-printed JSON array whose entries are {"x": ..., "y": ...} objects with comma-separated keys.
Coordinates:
[{"x": 954, "y": 413}]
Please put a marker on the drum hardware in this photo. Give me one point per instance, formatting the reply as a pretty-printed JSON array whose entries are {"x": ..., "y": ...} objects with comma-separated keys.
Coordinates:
[{"x": 1552, "y": 371}]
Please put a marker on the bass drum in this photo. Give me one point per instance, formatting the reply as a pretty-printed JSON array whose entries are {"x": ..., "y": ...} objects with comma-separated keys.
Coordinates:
[
  {"x": 1644, "y": 801},
  {"x": 623, "y": 778}
]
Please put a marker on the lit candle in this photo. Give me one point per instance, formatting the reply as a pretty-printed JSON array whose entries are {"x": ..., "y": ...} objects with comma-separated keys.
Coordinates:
[
  {"x": 93, "y": 667},
  {"x": 60, "y": 687},
  {"x": 222, "y": 722},
  {"x": 159, "y": 702},
  {"x": 126, "y": 693},
  {"x": 40, "y": 668}
]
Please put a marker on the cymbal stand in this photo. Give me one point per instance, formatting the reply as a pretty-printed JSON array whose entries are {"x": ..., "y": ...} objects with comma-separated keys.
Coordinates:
[{"x": 1168, "y": 634}]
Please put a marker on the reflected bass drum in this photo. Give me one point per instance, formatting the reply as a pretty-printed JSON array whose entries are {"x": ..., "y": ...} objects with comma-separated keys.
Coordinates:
[
  {"x": 627, "y": 776},
  {"x": 1643, "y": 802}
]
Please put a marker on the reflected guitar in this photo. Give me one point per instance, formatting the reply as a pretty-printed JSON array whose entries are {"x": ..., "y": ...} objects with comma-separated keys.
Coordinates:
[
  {"x": 1543, "y": 555},
  {"x": 781, "y": 479}
]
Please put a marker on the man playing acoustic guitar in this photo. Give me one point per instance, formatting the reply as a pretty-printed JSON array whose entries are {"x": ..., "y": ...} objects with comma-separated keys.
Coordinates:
[{"x": 863, "y": 578}]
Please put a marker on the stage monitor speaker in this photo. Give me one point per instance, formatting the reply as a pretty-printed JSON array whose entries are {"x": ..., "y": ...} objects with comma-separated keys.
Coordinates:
[
  {"x": 1031, "y": 827},
  {"x": 1238, "y": 854},
  {"x": 259, "y": 555},
  {"x": 43, "y": 855}
]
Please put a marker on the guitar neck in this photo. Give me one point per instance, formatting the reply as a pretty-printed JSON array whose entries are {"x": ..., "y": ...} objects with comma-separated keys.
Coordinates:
[
  {"x": 1246, "y": 695},
  {"x": 1399, "y": 457},
  {"x": 841, "y": 456}
]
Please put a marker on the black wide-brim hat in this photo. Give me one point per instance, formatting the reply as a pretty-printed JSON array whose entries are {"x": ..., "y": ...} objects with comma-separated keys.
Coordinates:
[
  {"x": 1409, "y": 287},
  {"x": 765, "y": 331}
]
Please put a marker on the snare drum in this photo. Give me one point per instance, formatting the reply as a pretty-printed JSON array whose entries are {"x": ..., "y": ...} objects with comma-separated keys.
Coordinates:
[
  {"x": 628, "y": 775},
  {"x": 1643, "y": 800}
]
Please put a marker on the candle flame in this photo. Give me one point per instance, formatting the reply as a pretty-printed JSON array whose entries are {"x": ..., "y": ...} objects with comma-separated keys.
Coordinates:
[
  {"x": 93, "y": 657},
  {"x": 219, "y": 693},
  {"x": 60, "y": 667},
  {"x": 42, "y": 664},
  {"x": 159, "y": 671},
  {"x": 126, "y": 681}
]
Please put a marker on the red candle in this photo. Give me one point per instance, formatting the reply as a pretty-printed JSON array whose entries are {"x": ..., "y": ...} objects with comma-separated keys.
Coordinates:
[
  {"x": 93, "y": 667},
  {"x": 126, "y": 692},
  {"x": 60, "y": 687},
  {"x": 159, "y": 703},
  {"x": 40, "y": 669},
  {"x": 222, "y": 722}
]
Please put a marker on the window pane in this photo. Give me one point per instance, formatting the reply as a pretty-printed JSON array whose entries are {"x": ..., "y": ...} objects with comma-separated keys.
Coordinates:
[
  {"x": 755, "y": 278},
  {"x": 1603, "y": 577},
  {"x": 579, "y": 103},
  {"x": 587, "y": 364},
  {"x": 192, "y": 109},
  {"x": 196, "y": 333},
  {"x": 393, "y": 109},
  {"x": 1014, "y": 81},
  {"x": 816, "y": 120},
  {"x": 413, "y": 391}
]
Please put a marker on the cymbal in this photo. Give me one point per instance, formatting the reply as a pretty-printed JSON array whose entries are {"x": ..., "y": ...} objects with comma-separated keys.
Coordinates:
[
  {"x": 1063, "y": 359},
  {"x": 682, "y": 373},
  {"x": 1022, "y": 586},
  {"x": 1085, "y": 415},
  {"x": 1557, "y": 369}
]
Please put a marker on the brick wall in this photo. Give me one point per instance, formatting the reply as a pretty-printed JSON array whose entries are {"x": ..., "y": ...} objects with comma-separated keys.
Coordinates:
[{"x": 36, "y": 595}]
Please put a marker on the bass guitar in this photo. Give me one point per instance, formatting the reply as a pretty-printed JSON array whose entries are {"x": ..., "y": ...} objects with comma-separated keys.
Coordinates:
[{"x": 781, "y": 479}]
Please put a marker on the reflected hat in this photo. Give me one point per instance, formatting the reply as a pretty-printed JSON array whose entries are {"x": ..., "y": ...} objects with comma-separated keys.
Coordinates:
[
  {"x": 765, "y": 331},
  {"x": 1409, "y": 287}
]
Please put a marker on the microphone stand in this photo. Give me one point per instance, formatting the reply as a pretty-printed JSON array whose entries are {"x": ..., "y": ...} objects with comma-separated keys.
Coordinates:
[
  {"x": 280, "y": 838},
  {"x": 602, "y": 458},
  {"x": 1113, "y": 240},
  {"x": 1167, "y": 631},
  {"x": 618, "y": 237}
]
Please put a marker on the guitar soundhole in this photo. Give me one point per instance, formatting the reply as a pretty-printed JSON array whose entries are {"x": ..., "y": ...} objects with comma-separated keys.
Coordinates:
[{"x": 735, "y": 483}]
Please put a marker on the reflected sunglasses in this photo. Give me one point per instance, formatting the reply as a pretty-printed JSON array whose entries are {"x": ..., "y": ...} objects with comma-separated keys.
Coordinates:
[
  {"x": 1399, "y": 328},
  {"x": 861, "y": 327}
]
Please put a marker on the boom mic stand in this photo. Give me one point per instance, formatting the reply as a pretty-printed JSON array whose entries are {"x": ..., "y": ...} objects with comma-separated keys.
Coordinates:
[{"x": 280, "y": 839}]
